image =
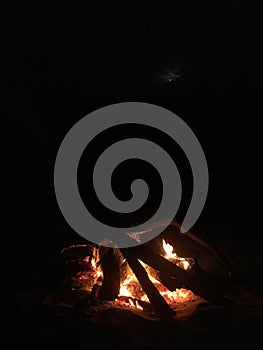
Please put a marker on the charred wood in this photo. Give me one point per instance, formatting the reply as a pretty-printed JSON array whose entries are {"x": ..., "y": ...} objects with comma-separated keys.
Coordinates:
[
  {"x": 182, "y": 278},
  {"x": 159, "y": 305},
  {"x": 110, "y": 262}
]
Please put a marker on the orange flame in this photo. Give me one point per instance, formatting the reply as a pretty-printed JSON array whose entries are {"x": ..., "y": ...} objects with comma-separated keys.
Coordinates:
[
  {"x": 130, "y": 287},
  {"x": 180, "y": 295},
  {"x": 173, "y": 257}
]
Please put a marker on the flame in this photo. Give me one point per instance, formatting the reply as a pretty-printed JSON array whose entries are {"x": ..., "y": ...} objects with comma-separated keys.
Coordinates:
[
  {"x": 131, "y": 289},
  {"x": 137, "y": 305},
  {"x": 95, "y": 267},
  {"x": 94, "y": 272},
  {"x": 124, "y": 288},
  {"x": 180, "y": 295},
  {"x": 173, "y": 257},
  {"x": 168, "y": 249}
]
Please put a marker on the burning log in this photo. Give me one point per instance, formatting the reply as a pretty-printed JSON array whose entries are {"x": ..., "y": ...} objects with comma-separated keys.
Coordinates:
[
  {"x": 110, "y": 260},
  {"x": 159, "y": 305},
  {"x": 182, "y": 278}
]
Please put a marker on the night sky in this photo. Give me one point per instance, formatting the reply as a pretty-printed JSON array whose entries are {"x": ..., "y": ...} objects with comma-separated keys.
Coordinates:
[{"x": 203, "y": 61}]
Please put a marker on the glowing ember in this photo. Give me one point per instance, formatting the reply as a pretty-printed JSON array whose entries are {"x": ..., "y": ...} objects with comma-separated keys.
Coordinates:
[
  {"x": 124, "y": 289},
  {"x": 94, "y": 272}
]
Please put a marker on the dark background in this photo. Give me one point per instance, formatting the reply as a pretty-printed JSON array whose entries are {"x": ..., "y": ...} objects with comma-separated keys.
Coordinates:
[{"x": 60, "y": 63}]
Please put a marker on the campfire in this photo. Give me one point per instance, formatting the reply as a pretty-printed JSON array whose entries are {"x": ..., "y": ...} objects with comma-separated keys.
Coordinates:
[
  {"x": 131, "y": 293},
  {"x": 153, "y": 278}
]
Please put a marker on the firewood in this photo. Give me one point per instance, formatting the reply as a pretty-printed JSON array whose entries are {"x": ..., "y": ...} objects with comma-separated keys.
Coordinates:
[
  {"x": 159, "y": 305},
  {"x": 182, "y": 277},
  {"x": 110, "y": 264}
]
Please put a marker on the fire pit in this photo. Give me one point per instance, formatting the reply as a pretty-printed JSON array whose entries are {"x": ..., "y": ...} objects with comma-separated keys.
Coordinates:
[
  {"x": 159, "y": 279},
  {"x": 90, "y": 296}
]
